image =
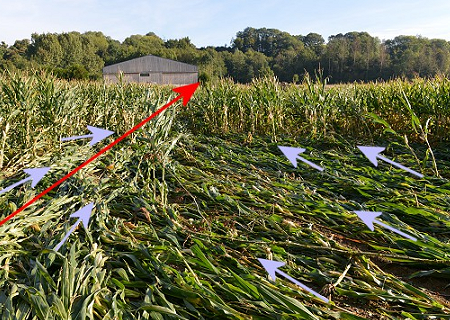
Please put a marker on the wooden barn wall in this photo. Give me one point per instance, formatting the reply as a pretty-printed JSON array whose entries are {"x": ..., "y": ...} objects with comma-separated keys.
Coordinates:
[
  {"x": 156, "y": 77},
  {"x": 179, "y": 78},
  {"x": 127, "y": 78},
  {"x": 151, "y": 78}
]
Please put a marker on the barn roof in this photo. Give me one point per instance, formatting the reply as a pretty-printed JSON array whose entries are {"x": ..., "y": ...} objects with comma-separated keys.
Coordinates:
[{"x": 149, "y": 63}]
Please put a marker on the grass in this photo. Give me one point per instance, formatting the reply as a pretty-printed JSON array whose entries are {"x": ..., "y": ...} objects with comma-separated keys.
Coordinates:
[{"x": 184, "y": 207}]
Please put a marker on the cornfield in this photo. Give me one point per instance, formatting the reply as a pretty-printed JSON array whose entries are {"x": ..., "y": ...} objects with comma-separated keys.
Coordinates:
[{"x": 186, "y": 205}]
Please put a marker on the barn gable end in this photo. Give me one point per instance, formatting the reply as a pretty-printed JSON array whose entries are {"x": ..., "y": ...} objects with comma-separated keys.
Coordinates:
[{"x": 152, "y": 69}]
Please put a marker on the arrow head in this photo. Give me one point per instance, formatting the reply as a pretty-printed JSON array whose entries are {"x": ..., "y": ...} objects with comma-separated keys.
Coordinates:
[
  {"x": 371, "y": 153},
  {"x": 36, "y": 174},
  {"x": 98, "y": 134},
  {"x": 291, "y": 153},
  {"x": 84, "y": 214},
  {"x": 271, "y": 267},
  {"x": 186, "y": 91},
  {"x": 368, "y": 217}
]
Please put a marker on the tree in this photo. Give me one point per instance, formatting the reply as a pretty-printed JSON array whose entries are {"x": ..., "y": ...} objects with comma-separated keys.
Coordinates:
[
  {"x": 17, "y": 56},
  {"x": 72, "y": 48},
  {"x": 114, "y": 52},
  {"x": 211, "y": 64},
  {"x": 236, "y": 66},
  {"x": 440, "y": 52},
  {"x": 98, "y": 42},
  {"x": 315, "y": 42},
  {"x": 45, "y": 49},
  {"x": 364, "y": 54},
  {"x": 3, "y": 50},
  {"x": 410, "y": 56},
  {"x": 335, "y": 56},
  {"x": 352, "y": 56},
  {"x": 138, "y": 46},
  {"x": 258, "y": 63},
  {"x": 182, "y": 50},
  {"x": 267, "y": 41},
  {"x": 284, "y": 65}
]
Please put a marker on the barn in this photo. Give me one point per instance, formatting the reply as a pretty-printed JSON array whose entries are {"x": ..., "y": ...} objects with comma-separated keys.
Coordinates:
[{"x": 152, "y": 69}]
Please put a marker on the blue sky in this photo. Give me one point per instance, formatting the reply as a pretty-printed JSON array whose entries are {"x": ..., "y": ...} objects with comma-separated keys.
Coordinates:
[{"x": 215, "y": 22}]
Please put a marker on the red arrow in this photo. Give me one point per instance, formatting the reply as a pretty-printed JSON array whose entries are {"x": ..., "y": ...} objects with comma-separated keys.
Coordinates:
[{"x": 185, "y": 92}]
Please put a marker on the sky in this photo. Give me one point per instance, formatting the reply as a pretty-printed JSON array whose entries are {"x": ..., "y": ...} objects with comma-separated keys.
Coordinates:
[{"x": 216, "y": 22}]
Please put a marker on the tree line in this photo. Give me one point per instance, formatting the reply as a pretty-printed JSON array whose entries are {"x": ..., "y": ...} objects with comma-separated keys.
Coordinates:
[{"x": 354, "y": 56}]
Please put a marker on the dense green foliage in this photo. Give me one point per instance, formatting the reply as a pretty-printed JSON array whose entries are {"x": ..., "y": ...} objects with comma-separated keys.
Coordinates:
[
  {"x": 185, "y": 206},
  {"x": 253, "y": 53}
]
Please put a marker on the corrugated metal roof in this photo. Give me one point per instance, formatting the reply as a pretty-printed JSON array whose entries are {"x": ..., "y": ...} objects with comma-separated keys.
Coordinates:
[{"x": 149, "y": 63}]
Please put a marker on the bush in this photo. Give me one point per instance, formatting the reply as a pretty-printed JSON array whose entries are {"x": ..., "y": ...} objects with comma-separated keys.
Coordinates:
[{"x": 74, "y": 71}]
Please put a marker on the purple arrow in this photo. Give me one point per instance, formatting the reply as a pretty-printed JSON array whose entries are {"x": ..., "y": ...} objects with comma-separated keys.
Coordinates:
[
  {"x": 83, "y": 214},
  {"x": 368, "y": 217},
  {"x": 36, "y": 175},
  {"x": 97, "y": 135},
  {"x": 372, "y": 153},
  {"x": 272, "y": 268},
  {"x": 292, "y": 155}
]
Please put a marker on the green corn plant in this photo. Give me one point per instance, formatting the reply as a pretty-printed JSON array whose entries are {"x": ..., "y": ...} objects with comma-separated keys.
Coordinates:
[{"x": 423, "y": 131}]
